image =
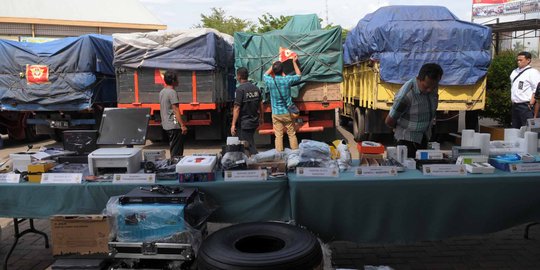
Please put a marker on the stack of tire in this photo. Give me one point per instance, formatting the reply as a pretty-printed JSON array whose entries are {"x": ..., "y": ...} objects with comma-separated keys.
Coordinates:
[{"x": 261, "y": 246}]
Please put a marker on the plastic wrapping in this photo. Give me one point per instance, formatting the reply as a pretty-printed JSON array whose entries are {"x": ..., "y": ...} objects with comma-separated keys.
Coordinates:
[
  {"x": 271, "y": 155},
  {"x": 344, "y": 160},
  {"x": 315, "y": 154},
  {"x": 164, "y": 223},
  {"x": 234, "y": 161},
  {"x": 293, "y": 159}
]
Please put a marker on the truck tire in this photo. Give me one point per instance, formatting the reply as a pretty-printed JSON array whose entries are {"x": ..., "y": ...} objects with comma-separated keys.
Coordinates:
[
  {"x": 359, "y": 126},
  {"x": 261, "y": 246}
]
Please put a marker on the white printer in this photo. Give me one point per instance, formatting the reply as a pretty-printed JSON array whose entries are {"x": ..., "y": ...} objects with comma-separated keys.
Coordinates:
[{"x": 114, "y": 160}]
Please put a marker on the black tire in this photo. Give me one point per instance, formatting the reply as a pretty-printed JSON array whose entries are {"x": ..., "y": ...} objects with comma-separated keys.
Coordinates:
[
  {"x": 344, "y": 120},
  {"x": 57, "y": 135},
  {"x": 260, "y": 245},
  {"x": 359, "y": 126}
]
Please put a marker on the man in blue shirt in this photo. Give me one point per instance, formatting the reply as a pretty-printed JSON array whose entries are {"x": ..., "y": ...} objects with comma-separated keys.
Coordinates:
[
  {"x": 279, "y": 86},
  {"x": 414, "y": 108}
]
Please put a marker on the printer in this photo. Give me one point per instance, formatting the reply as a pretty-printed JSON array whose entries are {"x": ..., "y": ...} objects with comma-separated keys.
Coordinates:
[
  {"x": 120, "y": 126},
  {"x": 114, "y": 160}
]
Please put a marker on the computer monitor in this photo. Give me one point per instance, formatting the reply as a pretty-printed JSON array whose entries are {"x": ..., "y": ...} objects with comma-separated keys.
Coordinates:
[
  {"x": 124, "y": 126},
  {"x": 80, "y": 141}
]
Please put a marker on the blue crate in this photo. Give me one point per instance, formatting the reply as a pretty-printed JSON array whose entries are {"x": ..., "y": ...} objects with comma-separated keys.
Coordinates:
[{"x": 148, "y": 222}]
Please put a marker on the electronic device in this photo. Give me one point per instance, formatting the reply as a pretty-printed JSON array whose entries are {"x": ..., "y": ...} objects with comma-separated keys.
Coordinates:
[
  {"x": 80, "y": 141},
  {"x": 114, "y": 160},
  {"x": 124, "y": 126},
  {"x": 120, "y": 126},
  {"x": 154, "y": 154},
  {"x": 159, "y": 194},
  {"x": 429, "y": 154},
  {"x": 465, "y": 151},
  {"x": 479, "y": 167},
  {"x": 471, "y": 159}
]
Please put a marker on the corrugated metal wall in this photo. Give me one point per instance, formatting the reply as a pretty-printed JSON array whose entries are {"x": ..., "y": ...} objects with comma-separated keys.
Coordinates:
[{"x": 44, "y": 30}]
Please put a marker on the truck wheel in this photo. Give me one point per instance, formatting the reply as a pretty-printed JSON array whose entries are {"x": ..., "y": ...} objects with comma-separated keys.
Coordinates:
[
  {"x": 260, "y": 245},
  {"x": 343, "y": 120},
  {"x": 359, "y": 126},
  {"x": 30, "y": 133}
]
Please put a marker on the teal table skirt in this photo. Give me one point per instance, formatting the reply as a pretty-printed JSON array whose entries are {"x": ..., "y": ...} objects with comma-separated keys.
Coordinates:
[
  {"x": 413, "y": 207},
  {"x": 239, "y": 201}
]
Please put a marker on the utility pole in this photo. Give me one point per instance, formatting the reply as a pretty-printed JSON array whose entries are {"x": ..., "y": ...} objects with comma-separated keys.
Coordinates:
[{"x": 327, "y": 22}]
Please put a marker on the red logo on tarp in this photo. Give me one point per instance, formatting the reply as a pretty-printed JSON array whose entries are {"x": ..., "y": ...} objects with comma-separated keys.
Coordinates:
[
  {"x": 158, "y": 76},
  {"x": 37, "y": 74},
  {"x": 285, "y": 54}
]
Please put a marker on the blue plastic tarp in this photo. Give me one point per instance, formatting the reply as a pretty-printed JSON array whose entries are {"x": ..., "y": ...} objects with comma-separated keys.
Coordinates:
[
  {"x": 193, "y": 49},
  {"x": 403, "y": 38},
  {"x": 80, "y": 71}
]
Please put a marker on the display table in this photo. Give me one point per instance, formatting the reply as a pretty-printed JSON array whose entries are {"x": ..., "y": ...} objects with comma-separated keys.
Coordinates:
[
  {"x": 239, "y": 201},
  {"x": 414, "y": 207}
]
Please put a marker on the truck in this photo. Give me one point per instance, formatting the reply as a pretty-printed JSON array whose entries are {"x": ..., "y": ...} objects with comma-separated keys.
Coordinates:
[
  {"x": 49, "y": 87},
  {"x": 388, "y": 47},
  {"x": 320, "y": 56},
  {"x": 202, "y": 59}
]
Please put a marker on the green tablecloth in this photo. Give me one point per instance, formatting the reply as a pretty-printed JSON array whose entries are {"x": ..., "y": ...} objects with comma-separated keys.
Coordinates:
[
  {"x": 239, "y": 201},
  {"x": 413, "y": 207}
]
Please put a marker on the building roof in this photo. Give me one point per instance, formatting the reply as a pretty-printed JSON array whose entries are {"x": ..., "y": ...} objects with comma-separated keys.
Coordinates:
[
  {"x": 522, "y": 25},
  {"x": 101, "y": 13}
]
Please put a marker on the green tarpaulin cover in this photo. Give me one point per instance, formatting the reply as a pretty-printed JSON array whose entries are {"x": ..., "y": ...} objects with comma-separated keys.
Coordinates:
[{"x": 320, "y": 52}]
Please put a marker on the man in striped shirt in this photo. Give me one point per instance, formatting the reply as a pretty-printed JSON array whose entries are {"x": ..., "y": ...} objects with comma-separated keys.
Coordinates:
[
  {"x": 413, "y": 112},
  {"x": 279, "y": 85}
]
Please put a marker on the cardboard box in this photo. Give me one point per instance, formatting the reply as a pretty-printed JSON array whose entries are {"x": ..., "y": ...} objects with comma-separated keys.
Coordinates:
[{"x": 80, "y": 234}]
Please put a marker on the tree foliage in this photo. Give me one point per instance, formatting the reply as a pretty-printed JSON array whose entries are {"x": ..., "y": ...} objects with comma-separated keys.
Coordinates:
[
  {"x": 225, "y": 24},
  {"x": 498, "y": 103},
  {"x": 267, "y": 23}
]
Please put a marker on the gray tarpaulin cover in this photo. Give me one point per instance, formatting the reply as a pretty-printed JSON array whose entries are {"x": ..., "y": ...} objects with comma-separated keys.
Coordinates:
[
  {"x": 193, "y": 49},
  {"x": 403, "y": 38},
  {"x": 80, "y": 73}
]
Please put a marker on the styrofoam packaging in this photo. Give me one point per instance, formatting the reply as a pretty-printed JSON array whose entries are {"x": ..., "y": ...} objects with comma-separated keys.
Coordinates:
[
  {"x": 391, "y": 152},
  {"x": 401, "y": 153},
  {"x": 21, "y": 160},
  {"x": 233, "y": 140},
  {"x": 196, "y": 164},
  {"x": 409, "y": 163},
  {"x": 467, "y": 136},
  {"x": 531, "y": 142}
]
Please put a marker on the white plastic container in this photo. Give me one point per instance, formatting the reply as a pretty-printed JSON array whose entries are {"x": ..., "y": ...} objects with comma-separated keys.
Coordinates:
[
  {"x": 21, "y": 160},
  {"x": 196, "y": 164}
]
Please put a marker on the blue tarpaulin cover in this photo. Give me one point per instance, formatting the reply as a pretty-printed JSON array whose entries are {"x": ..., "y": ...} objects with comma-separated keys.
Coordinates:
[
  {"x": 193, "y": 49},
  {"x": 80, "y": 73},
  {"x": 403, "y": 38}
]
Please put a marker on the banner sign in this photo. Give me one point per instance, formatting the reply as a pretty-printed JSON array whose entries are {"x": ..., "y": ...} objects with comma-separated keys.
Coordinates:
[
  {"x": 37, "y": 74},
  {"x": 491, "y": 8}
]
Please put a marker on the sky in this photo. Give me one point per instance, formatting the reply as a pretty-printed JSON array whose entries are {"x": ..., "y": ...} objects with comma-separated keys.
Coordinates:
[{"x": 187, "y": 13}]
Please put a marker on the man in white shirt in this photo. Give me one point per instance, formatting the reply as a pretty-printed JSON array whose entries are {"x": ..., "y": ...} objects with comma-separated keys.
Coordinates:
[{"x": 524, "y": 81}]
